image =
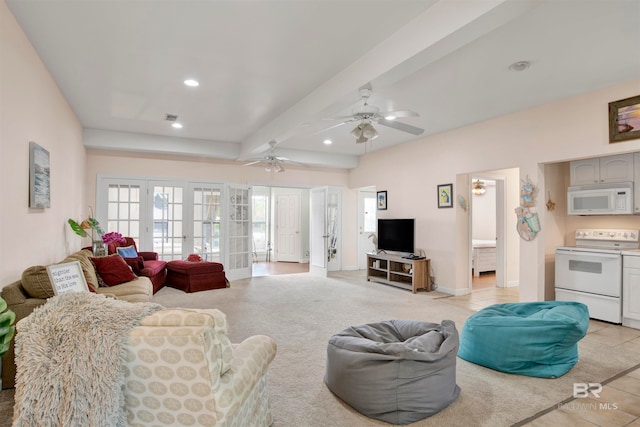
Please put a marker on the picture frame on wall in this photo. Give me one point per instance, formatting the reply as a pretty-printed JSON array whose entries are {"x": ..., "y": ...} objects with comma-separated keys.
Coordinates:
[
  {"x": 39, "y": 177},
  {"x": 624, "y": 119},
  {"x": 382, "y": 200},
  {"x": 445, "y": 198}
]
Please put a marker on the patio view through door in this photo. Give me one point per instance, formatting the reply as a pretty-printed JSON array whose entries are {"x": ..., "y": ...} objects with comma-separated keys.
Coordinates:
[
  {"x": 206, "y": 221},
  {"x": 169, "y": 234},
  {"x": 171, "y": 218}
]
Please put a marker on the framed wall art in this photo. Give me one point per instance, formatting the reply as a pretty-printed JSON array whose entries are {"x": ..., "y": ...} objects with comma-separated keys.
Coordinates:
[
  {"x": 67, "y": 277},
  {"x": 624, "y": 119},
  {"x": 444, "y": 196},
  {"x": 39, "y": 177},
  {"x": 382, "y": 200}
]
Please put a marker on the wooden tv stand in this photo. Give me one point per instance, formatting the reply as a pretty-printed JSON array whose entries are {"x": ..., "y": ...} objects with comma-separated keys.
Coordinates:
[{"x": 410, "y": 274}]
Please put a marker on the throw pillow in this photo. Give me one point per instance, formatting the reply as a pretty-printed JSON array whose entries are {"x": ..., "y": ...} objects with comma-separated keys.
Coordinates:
[
  {"x": 36, "y": 283},
  {"x": 127, "y": 252},
  {"x": 113, "y": 270},
  {"x": 136, "y": 263}
]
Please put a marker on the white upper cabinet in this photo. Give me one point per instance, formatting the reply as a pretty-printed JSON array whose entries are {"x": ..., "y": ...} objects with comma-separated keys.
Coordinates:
[{"x": 602, "y": 170}]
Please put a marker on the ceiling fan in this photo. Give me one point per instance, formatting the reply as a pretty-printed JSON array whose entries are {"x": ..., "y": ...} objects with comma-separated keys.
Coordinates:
[
  {"x": 366, "y": 114},
  {"x": 273, "y": 163}
]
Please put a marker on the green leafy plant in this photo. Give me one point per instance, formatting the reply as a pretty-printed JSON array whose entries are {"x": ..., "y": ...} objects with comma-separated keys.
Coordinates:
[
  {"x": 7, "y": 327},
  {"x": 88, "y": 224}
]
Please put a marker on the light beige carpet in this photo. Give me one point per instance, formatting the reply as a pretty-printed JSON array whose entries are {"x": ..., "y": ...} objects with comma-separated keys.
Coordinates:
[{"x": 301, "y": 312}]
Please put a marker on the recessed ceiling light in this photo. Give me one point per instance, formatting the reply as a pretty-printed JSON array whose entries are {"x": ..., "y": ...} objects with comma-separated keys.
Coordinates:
[
  {"x": 176, "y": 125},
  {"x": 390, "y": 117},
  {"x": 327, "y": 142},
  {"x": 191, "y": 83},
  {"x": 519, "y": 66}
]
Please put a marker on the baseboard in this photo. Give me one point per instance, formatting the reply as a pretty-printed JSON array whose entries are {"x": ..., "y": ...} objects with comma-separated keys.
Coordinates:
[
  {"x": 351, "y": 268},
  {"x": 513, "y": 283},
  {"x": 455, "y": 292}
]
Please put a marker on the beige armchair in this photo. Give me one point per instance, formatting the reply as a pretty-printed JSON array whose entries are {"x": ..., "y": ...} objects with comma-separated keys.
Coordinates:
[{"x": 182, "y": 370}]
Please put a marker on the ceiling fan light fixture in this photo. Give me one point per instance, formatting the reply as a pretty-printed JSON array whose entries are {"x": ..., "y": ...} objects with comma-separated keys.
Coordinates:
[
  {"x": 357, "y": 131},
  {"x": 369, "y": 132},
  {"x": 478, "y": 188}
]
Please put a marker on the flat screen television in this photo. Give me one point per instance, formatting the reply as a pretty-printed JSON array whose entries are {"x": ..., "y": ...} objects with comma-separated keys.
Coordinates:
[{"x": 396, "y": 235}]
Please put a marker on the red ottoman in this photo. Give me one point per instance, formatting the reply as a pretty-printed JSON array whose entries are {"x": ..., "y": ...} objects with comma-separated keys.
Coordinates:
[{"x": 195, "y": 276}]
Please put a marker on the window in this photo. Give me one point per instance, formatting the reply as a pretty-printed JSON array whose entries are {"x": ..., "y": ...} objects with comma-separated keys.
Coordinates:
[{"x": 259, "y": 222}]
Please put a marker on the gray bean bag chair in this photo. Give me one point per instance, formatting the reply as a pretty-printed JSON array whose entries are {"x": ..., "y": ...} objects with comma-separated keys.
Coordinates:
[{"x": 398, "y": 371}]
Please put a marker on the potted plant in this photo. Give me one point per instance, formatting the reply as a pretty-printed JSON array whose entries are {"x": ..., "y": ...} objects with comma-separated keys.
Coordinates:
[
  {"x": 92, "y": 224},
  {"x": 7, "y": 328}
]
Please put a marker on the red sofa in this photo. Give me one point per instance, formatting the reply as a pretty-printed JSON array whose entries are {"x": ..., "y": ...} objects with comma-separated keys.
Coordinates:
[{"x": 145, "y": 264}]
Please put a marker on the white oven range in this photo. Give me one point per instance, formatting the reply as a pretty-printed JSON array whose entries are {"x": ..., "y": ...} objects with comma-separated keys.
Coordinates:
[{"x": 591, "y": 271}]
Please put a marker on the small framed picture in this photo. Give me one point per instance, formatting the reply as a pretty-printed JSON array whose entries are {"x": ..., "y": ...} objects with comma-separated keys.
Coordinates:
[
  {"x": 382, "y": 200},
  {"x": 444, "y": 196},
  {"x": 624, "y": 119}
]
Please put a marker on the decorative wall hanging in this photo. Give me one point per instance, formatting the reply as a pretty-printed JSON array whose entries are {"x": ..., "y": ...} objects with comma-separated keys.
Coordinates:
[
  {"x": 624, "y": 119},
  {"x": 445, "y": 199},
  {"x": 39, "y": 185},
  {"x": 462, "y": 202},
  {"x": 382, "y": 200},
  {"x": 528, "y": 224},
  {"x": 551, "y": 206}
]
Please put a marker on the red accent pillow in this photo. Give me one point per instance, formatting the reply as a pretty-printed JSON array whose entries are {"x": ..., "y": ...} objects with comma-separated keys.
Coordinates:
[
  {"x": 136, "y": 264},
  {"x": 113, "y": 270}
]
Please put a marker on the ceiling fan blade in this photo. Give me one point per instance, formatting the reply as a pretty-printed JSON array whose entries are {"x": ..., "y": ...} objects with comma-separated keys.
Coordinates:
[
  {"x": 399, "y": 114},
  {"x": 253, "y": 163},
  {"x": 350, "y": 117},
  {"x": 401, "y": 126}
]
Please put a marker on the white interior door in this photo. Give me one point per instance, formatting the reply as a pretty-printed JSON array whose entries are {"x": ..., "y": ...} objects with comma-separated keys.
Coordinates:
[
  {"x": 318, "y": 237},
  {"x": 367, "y": 225},
  {"x": 287, "y": 244}
]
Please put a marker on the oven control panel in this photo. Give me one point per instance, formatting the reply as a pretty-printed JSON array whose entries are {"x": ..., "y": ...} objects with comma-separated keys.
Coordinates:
[{"x": 608, "y": 235}]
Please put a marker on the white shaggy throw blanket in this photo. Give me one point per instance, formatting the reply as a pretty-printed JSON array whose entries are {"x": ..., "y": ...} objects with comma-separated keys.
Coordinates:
[{"x": 69, "y": 358}]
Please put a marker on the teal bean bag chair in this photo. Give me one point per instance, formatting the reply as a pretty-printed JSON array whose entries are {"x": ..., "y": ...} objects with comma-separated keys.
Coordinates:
[{"x": 537, "y": 339}]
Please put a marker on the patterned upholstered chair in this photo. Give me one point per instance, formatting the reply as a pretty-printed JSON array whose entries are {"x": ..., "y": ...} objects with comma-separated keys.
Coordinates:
[{"x": 182, "y": 370}]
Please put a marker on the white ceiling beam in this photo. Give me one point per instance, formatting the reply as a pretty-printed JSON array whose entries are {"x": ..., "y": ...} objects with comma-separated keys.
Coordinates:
[
  {"x": 128, "y": 141},
  {"x": 440, "y": 21}
]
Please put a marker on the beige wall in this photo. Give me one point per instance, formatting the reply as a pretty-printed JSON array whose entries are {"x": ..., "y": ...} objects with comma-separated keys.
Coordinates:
[
  {"x": 565, "y": 130},
  {"x": 33, "y": 109}
]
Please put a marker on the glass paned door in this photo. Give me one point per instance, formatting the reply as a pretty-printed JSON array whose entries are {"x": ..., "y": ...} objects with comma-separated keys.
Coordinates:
[
  {"x": 206, "y": 222},
  {"x": 168, "y": 208},
  {"x": 123, "y": 210},
  {"x": 238, "y": 264}
]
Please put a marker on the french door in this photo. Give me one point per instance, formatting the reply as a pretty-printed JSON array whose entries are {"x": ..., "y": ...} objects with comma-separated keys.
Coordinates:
[
  {"x": 325, "y": 230},
  {"x": 178, "y": 218}
]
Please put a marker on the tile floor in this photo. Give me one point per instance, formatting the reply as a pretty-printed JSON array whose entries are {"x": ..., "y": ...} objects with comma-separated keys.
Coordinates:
[{"x": 619, "y": 402}]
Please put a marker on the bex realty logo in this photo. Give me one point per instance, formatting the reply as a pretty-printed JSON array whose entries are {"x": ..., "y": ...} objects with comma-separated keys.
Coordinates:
[{"x": 581, "y": 390}]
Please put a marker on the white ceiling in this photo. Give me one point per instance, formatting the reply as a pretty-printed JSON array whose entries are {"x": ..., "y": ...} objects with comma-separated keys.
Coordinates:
[{"x": 276, "y": 69}]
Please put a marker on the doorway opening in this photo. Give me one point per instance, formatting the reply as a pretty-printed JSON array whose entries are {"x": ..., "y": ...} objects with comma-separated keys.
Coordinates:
[
  {"x": 280, "y": 230},
  {"x": 493, "y": 238},
  {"x": 483, "y": 233}
]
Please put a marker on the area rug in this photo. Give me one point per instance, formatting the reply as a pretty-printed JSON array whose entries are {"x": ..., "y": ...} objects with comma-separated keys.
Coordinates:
[{"x": 301, "y": 312}]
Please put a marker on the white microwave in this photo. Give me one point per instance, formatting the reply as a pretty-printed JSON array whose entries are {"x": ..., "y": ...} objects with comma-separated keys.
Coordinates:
[{"x": 601, "y": 199}]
